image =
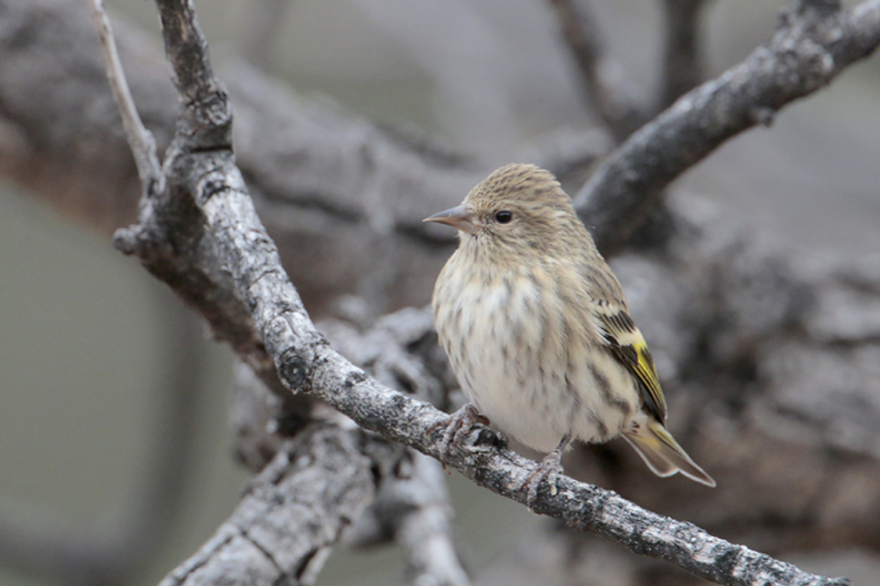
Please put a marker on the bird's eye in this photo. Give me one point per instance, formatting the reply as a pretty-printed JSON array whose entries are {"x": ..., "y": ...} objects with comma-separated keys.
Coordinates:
[{"x": 503, "y": 216}]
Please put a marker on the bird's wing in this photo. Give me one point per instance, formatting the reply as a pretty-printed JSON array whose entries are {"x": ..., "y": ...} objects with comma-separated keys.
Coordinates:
[{"x": 626, "y": 343}]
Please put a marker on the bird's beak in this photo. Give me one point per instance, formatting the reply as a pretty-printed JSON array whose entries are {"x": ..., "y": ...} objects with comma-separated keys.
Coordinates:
[{"x": 461, "y": 217}]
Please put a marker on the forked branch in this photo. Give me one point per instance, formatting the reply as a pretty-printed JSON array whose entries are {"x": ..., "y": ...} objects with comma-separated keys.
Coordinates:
[{"x": 201, "y": 169}]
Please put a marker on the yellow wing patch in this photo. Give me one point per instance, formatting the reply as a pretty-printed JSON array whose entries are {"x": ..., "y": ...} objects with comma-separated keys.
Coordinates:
[{"x": 628, "y": 346}]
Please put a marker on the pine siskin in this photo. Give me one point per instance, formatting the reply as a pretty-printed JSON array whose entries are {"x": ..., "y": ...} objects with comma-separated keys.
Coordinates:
[{"x": 537, "y": 329}]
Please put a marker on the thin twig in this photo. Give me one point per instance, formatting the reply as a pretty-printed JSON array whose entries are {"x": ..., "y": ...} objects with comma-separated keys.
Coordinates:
[
  {"x": 599, "y": 72},
  {"x": 143, "y": 146},
  {"x": 682, "y": 64},
  {"x": 811, "y": 47},
  {"x": 306, "y": 362}
]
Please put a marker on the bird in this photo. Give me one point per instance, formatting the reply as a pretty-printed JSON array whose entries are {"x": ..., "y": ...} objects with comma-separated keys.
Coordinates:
[{"x": 538, "y": 331}]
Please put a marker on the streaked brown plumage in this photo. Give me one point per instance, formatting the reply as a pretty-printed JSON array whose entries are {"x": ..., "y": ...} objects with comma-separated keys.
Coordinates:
[{"x": 537, "y": 328}]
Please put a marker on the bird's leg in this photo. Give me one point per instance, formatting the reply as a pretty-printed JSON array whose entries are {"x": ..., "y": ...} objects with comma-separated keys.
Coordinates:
[
  {"x": 548, "y": 469},
  {"x": 456, "y": 426}
]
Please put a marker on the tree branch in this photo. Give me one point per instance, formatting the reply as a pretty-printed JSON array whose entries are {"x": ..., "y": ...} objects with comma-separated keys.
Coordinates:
[
  {"x": 201, "y": 168},
  {"x": 682, "y": 68},
  {"x": 142, "y": 144},
  {"x": 598, "y": 71},
  {"x": 815, "y": 42},
  {"x": 414, "y": 510},
  {"x": 293, "y": 512},
  {"x": 413, "y": 507},
  {"x": 219, "y": 305}
]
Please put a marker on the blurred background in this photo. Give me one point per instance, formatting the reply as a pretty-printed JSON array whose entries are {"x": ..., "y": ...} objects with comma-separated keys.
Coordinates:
[{"x": 84, "y": 328}]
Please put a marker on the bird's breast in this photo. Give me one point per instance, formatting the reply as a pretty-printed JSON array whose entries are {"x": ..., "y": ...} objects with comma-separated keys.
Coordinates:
[{"x": 518, "y": 345}]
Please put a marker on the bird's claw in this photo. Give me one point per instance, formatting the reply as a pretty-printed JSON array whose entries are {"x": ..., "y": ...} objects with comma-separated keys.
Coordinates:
[
  {"x": 456, "y": 427},
  {"x": 548, "y": 469}
]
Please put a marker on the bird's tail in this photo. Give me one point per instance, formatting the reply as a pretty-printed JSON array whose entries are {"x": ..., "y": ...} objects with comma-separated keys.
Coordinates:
[{"x": 662, "y": 453}]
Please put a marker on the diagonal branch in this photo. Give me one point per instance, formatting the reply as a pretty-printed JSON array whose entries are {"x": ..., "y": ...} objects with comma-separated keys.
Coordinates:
[
  {"x": 292, "y": 513},
  {"x": 201, "y": 168},
  {"x": 815, "y": 42}
]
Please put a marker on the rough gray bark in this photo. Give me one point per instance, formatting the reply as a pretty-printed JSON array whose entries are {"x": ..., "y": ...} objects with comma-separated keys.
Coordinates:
[
  {"x": 759, "y": 341},
  {"x": 200, "y": 166},
  {"x": 816, "y": 40},
  {"x": 291, "y": 515},
  {"x": 332, "y": 184},
  {"x": 413, "y": 510},
  {"x": 769, "y": 362}
]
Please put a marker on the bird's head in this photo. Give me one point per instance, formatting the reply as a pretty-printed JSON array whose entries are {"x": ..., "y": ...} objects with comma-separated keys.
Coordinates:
[{"x": 520, "y": 207}]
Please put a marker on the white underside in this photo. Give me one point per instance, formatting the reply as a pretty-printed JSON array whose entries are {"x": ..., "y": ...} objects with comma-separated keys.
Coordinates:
[{"x": 544, "y": 387}]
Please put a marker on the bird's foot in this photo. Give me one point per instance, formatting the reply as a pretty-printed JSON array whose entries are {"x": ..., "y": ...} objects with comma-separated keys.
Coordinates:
[
  {"x": 456, "y": 427},
  {"x": 548, "y": 469}
]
